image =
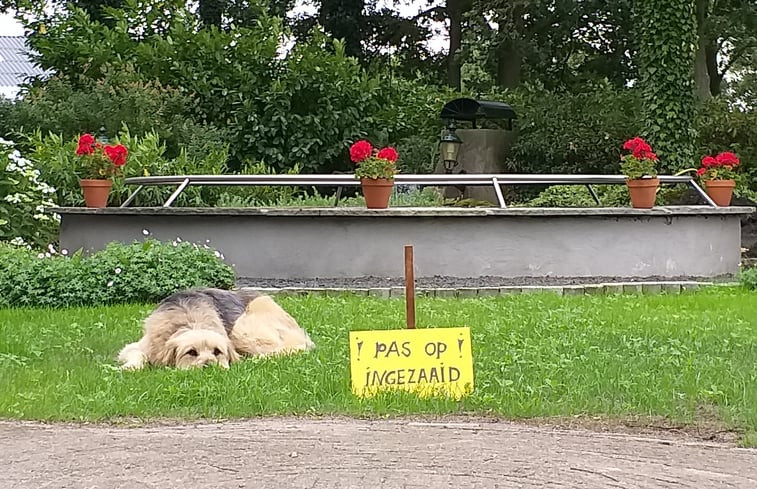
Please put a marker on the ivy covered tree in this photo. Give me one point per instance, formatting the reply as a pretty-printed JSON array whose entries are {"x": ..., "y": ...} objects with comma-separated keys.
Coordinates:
[{"x": 667, "y": 36}]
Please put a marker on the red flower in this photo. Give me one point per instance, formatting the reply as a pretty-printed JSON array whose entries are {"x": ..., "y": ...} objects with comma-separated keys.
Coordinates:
[
  {"x": 388, "y": 153},
  {"x": 701, "y": 171},
  {"x": 85, "y": 147},
  {"x": 86, "y": 139},
  {"x": 117, "y": 154},
  {"x": 647, "y": 155},
  {"x": 637, "y": 146},
  {"x": 727, "y": 158},
  {"x": 360, "y": 151},
  {"x": 709, "y": 161}
]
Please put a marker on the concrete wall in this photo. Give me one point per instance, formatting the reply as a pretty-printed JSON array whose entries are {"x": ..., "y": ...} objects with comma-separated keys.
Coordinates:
[{"x": 339, "y": 242}]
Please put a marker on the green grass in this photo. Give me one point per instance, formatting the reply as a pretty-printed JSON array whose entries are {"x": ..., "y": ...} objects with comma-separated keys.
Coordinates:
[{"x": 688, "y": 358}]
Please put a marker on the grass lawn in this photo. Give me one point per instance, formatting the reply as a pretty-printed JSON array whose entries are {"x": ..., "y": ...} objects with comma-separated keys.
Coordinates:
[{"x": 689, "y": 358}]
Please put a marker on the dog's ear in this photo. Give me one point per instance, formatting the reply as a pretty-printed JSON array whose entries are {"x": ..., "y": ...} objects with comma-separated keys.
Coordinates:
[
  {"x": 231, "y": 353},
  {"x": 167, "y": 354}
]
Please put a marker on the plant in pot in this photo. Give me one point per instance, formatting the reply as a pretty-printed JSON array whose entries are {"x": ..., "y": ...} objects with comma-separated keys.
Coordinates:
[
  {"x": 641, "y": 175},
  {"x": 376, "y": 170},
  {"x": 100, "y": 163},
  {"x": 718, "y": 174}
]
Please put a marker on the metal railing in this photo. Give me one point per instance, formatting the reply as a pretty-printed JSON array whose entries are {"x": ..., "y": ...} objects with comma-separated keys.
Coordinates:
[{"x": 495, "y": 180}]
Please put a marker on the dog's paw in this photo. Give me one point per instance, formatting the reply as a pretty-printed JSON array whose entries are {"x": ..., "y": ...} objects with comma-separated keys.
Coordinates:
[{"x": 132, "y": 366}]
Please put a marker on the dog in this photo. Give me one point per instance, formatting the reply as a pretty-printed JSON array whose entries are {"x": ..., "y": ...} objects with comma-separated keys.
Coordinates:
[{"x": 204, "y": 326}]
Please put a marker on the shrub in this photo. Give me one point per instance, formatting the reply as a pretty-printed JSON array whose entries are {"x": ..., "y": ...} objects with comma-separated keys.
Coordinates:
[
  {"x": 579, "y": 196},
  {"x": 119, "y": 97},
  {"x": 23, "y": 197},
  {"x": 139, "y": 272},
  {"x": 748, "y": 278}
]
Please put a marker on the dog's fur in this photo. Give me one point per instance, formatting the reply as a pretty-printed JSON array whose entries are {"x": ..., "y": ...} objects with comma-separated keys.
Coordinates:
[{"x": 204, "y": 326}]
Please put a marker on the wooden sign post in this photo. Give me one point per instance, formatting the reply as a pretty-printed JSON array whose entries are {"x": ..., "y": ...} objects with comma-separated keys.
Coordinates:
[
  {"x": 409, "y": 287},
  {"x": 427, "y": 361}
]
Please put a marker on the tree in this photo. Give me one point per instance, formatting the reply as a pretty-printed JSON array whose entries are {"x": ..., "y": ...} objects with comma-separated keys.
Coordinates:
[
  {"x": 666, "y": 33},
  {"x": 727, "y": 32},
  {"x": 558, "y": 44},
  {"x": 343, "y": 19}
]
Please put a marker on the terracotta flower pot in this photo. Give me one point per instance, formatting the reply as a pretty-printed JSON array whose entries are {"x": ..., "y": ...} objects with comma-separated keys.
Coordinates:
[
  {"x": 720, "y": 191},
  {"x": 95, "y": 191},
  {"x": 643, "y": 192},
  {"x": 377, "y": 192}
]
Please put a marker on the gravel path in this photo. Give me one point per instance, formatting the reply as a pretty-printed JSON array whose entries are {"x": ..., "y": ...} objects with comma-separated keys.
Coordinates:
[
  {"x": 439, "y": 281},
  {"x": 346, "y": 453}
]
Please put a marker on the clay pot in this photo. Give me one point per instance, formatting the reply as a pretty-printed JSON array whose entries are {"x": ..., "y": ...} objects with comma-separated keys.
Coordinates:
[
  {"x": 377, "y": 192},
  {"x": 95, "y": 191},
  {"x": 643, "y": 192},
  {"x": 720, "y": 191}
]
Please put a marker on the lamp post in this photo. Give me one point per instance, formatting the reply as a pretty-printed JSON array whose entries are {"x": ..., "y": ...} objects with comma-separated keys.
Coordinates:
[{"x": 450, "y": 146}]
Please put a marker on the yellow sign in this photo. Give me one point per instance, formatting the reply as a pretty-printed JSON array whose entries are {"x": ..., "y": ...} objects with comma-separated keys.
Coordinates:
[{"x": 425, "y": 361}]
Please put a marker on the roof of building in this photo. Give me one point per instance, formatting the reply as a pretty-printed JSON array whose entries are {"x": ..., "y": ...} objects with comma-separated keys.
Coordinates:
[{"x": 15, "y": 65}]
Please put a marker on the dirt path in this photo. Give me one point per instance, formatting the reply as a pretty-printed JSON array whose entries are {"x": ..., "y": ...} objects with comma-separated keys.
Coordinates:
[{"x": 346, "y": 453}]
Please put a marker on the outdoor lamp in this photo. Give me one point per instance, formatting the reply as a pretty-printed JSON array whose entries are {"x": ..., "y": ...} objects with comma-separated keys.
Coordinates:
[
  {"x": 103, "y": 138},
  {"x": 450, "y": 146}
]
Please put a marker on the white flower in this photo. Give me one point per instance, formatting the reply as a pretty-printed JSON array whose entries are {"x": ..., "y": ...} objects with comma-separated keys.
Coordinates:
[
  {"x": 13, "y": 198},
  {"x": 178, "y": 239},
  {"x": 64, "y": 252},
  {"x": 48, "y": 255},
  {"x": 117, "y": 270},
  {"x": 51, "y": 249},
  {"x": 18, "y": 241},
  {"x": 40, "y": 255},
  {"x": 218, "y": 255},
  {"x": 110, "y": 284},
  {"x": 145, "y": 232}
]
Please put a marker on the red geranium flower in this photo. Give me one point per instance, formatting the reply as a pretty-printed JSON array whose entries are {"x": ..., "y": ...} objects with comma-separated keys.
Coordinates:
[
  {"x": 85, "y": 147},
  {"x": 701, "y": 171},
  {"x": 117, "y": 154},
  {"x": 709, "y": 161},
  {"x": 388, "y": 153},
  {"x": 727, "y": 158},
  {"x": 360, "y": 151},
  {"x": 649, "y": 155},
  {"x": 637, "y": 146}
]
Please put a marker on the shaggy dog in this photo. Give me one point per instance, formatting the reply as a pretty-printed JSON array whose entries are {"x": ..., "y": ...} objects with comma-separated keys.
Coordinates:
[{"x": 203, "y": 326}]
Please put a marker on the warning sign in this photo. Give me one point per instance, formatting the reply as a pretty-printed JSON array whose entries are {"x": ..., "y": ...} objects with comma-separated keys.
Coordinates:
[{"x": 425, "y": 361}]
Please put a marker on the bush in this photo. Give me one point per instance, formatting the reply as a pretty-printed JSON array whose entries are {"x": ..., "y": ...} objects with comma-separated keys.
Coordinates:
[
  {"x": 135, "y": 273},
  {"x": 72, "y": 107},
  {"x": 748, "y": 278},
  {"x": 579, "y": 196},
  {"x": 23, "y": 197}
]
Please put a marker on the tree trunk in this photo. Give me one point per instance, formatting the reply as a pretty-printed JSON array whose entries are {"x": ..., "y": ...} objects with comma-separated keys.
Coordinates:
[
  {"x": 716, "y": 79},
  {"x": 701, "y": 74},
  {"x": 455, "y": 15},
  {"x": 509, "y": 62}
]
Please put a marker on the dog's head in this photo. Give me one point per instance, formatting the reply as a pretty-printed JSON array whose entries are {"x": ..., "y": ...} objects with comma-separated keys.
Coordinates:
[{"x": 199, "y": 348}]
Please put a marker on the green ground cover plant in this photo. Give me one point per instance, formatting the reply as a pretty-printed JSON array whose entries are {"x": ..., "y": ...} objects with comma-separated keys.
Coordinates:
[
  {"x": 687, "y": 358},
  {"x": 121, "y": 273}
]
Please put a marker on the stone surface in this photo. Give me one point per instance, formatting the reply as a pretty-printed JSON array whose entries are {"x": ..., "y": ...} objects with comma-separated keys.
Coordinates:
[
  {"x": 317, "y": 243},
  {"x": 285, "y": 453}
]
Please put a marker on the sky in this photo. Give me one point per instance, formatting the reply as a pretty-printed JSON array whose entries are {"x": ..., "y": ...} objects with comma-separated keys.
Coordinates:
[{"x": 9, "y": 27}]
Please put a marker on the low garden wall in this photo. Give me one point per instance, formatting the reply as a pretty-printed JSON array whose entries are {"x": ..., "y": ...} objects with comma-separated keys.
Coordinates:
[{"x": 291, "y": 243}]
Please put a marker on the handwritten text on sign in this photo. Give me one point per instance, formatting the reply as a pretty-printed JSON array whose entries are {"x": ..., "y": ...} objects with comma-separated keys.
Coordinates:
[{"x": 426, "y": 361}]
